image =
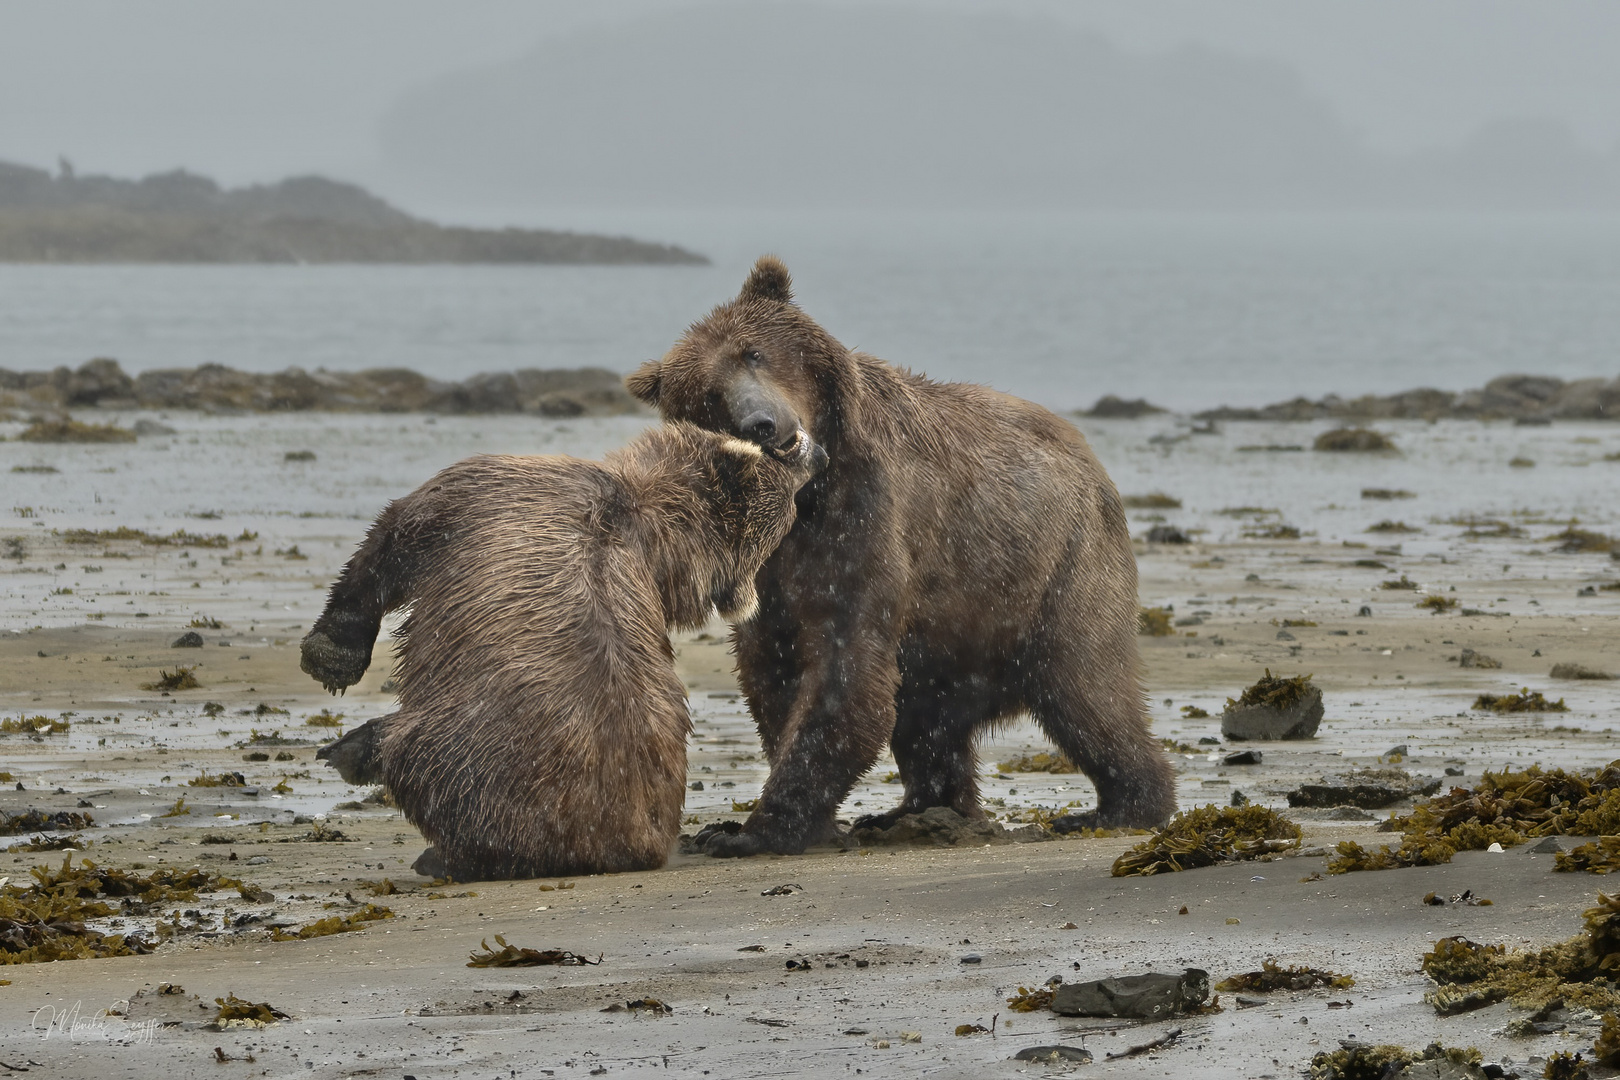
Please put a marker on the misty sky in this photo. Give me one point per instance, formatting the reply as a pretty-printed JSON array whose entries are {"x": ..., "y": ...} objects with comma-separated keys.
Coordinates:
[{"x": 251, "y": 91}]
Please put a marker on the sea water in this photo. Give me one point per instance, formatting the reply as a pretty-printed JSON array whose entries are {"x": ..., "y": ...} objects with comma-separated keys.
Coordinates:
[{"x": 1189, "y": 312}]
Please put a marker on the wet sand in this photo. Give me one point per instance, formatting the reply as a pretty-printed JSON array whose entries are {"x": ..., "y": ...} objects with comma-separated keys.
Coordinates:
[{"x": 412, "y": 1007}]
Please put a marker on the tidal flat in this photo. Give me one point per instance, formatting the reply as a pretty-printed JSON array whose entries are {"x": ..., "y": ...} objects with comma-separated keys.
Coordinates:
[{"x": 1270, "y": 556}]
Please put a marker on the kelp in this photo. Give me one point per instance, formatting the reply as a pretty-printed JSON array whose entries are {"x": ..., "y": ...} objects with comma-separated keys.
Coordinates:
[
  {"x": 181, "y": 678},
  {"x": 246, "y": 1013},
  {"x": 1507, "y": 808},
  {"x": 1208, "y": 835},
  {"x": 334, "y": 924},
  {"x": 1524, "y": 701},
  {"x": 45, "y": 921},
  {"x": 516, "y": 956},
  {"x": 1153, "y": 622},
  {"x": 1274, "y": 692},
  {"x": 178, "y": 538},
  {"x": 1578, "y": 971},
  {"x": 34, "y": 725},
  {"x": 1042, "y": 762},
  {"x": 1031, "y": 1000},
  {"x": 1362, "y": 1061},
  {"x": 32, "y": 821},
  {"x": 1273, "y": 976}
]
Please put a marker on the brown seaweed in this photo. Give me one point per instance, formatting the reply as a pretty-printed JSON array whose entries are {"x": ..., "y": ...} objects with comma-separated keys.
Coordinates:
[
  {"x": 1208, "y": 835},
  {"x": 516, "y": 956}
]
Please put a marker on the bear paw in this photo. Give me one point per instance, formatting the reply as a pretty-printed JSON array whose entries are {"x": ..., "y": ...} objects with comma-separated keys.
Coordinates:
[
  {"x": 357, "y": 756},
  {"x": 431, "y": 864},
  {"x": 336, "y": 667},
  {"x": 737, "y": 845}
]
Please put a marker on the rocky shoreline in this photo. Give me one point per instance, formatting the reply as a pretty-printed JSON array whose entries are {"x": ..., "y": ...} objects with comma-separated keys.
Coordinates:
[
  {"x": 102, "y": 383},
  {"x": 1525, "y": 399}
]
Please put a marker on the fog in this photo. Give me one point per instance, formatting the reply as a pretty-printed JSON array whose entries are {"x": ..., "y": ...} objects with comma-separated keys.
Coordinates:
[{"x": 516, "y": 107}]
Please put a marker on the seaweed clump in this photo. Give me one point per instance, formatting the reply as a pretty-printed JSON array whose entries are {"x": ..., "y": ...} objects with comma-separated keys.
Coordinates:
[
  {"x": 75, "y": 431},
  {"x": 181, "y": 678},
  {"x": 1600, "y": 856},
  {"x": 1274, "y": 692},
  {"x": 1208, "y": 835},
  {"x": 1027, "y": 1000},
  {"x": 1273, "y": 976},
  {"x": 516, "y": 956},
  {"x": 178, "y": 538},
  {"x": 45, "y": 921},
  {"x": 1364, "y": 1061},
  {"x": 1573, "y": 541},
  {"x": 1507, "y": 808},
  {"x": 224, "y": 779},
  {"x": 1041, "y": 762},
  {"x": 238, "y": 1012},
  {"x": 1354, "y": 441},
  {"x": 1524, "y": 701},
  {"x": 34, "y": 725},
  {"x": 335, "y": 924},
  {"x": 1577, "y": 971},
  {"x": 1153, "y": 622},
  {"x": 31, "y": 821}
]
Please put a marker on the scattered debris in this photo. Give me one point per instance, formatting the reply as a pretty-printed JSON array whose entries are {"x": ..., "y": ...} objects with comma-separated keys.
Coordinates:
[
  {"x": 1390, "y": 526},
  {"x": 1274, "y": 708},
  {"x": 1148, "y": 1047},
  {"x": 1405, "y": 584},
  {"x": 1273, "y": 977},
  {"x": 208, "y": 779},
  {"x": 1208, "y": 835},
  {"x": 1370, "y": 789},
  {"x": 181, "y": 678},
  {"x": 783, "y": 890},
  {"x": 1436, "y": 603},
  {"x": 1524, "y": 701},
  {"x": 1193, "y": 712},
  {"x": 971, "y": 1029},
  {"x": 1468, "y": 658},
  {"x": 1466, "y": 898},
  {"x": 646, "y": 1004},
  {"x": 514, "y": 956},
  {"x": 30, "y": 821}
]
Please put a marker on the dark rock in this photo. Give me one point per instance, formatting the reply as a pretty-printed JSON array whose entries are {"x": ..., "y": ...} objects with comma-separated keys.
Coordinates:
[
  {"x": 1138, "y": 997},
  {"x": 188, "y": 640},
  {"x": 1264, "y": 722},
  {"x": 1369, "y": 789},
  {"x": 1547, "y": 845},
  {"x": 1114, "y": 408},
  {"x": 1242, "y": 757},
  {"x": 1471, "y": 659},
  {"x": 145, "y": 427},
  {"x": 1053, "y": 1054},
  {"x": 938, "y": 826},
  {"x": 1166, "y": 534}
]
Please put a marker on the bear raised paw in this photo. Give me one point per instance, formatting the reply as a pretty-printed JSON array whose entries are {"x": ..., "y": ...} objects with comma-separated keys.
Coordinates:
[
  {"x": 964, "y": 558},
  {"x": 542, "y": 727}
]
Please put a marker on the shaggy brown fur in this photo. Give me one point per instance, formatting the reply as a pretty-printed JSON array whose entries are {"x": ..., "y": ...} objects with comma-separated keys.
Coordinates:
[
  {"x": 542, "y": 728},
  {"x": 964, "y": 558}
]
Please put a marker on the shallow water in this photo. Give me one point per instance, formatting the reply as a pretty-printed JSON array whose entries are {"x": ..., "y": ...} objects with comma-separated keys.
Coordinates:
[{"x": 1188, "y": 311}]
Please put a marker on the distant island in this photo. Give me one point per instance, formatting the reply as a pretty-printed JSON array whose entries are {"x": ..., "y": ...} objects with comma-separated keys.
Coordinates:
[{"x": 180, "y": 217}]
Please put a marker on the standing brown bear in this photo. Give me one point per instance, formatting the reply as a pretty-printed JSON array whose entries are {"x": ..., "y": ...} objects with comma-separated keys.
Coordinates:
[
  {"x": 542, "y": 727},
  {"x": 963, "y": 558}
]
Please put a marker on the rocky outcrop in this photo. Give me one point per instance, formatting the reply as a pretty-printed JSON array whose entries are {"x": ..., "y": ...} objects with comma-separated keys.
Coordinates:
[
  {"x": 1528, "y": 398},
  {"x": 213, "y": 388}
]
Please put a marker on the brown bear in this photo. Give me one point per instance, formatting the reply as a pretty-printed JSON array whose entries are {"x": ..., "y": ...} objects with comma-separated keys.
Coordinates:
[
  {"x": 963, "y": 558},
  {"x": 542, "y": 727}
]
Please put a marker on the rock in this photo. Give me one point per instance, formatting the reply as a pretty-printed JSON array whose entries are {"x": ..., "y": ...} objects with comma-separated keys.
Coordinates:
[
  {"x": 1440, "y": 1068},
  {"x": 1578, "y": 671},
  {"x": 1547, "y": 845},
  {"x": 938, "y": 826},
  {"x": 188, "y": 640},
  {"x": 1115, "y": 408},
  {"x": 1242, "y": 757},
  {"x": 1368, "y": 789},
  {"x": 145, "y": 427},
  {"x": 1471, "y": 659},
  {"x": 1053, "y": 1054},
  {"x": 1264, "y": 722},
  {"x": 1353, "y": 440},
  {"x": 1166, "y": 534},
  {"x": 1283, "y": 635},
  {"x": 1138, "y": 997}
]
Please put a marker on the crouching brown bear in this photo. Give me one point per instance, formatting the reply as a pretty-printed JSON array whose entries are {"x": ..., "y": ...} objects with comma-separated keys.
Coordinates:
[
  {"x": 963, "y": 558},
  {"x": 542, "y": 727}
]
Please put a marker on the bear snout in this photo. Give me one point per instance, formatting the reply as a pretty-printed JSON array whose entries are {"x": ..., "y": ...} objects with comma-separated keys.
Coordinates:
[{"x": 801, "y": 453}]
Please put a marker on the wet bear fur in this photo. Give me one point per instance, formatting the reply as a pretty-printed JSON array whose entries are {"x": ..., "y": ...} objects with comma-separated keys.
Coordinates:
[
  {"x": 964, "y": 558},
  {"x": 542, "y": 727}
]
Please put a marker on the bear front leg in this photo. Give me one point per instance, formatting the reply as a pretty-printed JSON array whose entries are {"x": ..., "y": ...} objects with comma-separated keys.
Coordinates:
[{"x": 839, "y": 724}]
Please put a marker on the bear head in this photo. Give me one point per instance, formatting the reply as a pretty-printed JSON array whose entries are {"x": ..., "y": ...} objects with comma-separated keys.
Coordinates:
[{"x": 756, "y": 367}]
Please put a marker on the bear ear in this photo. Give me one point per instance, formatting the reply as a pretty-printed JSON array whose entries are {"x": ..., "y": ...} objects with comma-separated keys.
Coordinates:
[
  {"x": 768, "y": 280},
  {"x": 644, "y": 381}
]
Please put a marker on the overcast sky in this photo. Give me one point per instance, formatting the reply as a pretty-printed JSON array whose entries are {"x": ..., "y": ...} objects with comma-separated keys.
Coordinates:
[{"x": 247, "y": 90}]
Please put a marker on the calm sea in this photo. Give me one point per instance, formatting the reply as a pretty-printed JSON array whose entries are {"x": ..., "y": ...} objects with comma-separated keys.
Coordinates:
[{"x": 1186, "y": 311}]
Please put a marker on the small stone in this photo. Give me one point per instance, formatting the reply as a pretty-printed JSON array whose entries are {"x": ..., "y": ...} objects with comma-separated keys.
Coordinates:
[
  {"x": 1365, "y": 612},
  {"x": 1053, "y": 1054},
  {"x": 258, "y": 860},
  {"x": 188, "y": 640},
  {"x": 1283, "y": 635},
  {"x": 972, "y": 958},
  {"x": 1141, "y": 997},
  {"x": 1547, "y": 845},
  {"x": 1242, "y": 757}
]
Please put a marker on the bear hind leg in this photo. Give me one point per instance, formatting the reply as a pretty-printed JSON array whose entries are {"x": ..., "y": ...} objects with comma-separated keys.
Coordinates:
[{"x": 936, "y": 726}]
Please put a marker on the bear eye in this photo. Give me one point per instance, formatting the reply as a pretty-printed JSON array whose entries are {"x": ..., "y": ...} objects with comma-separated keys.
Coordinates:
[{"x": 753, "y": 356}]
